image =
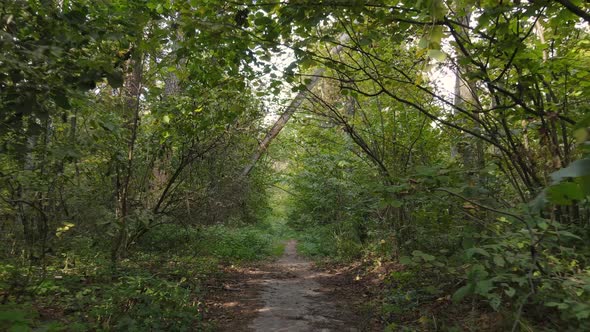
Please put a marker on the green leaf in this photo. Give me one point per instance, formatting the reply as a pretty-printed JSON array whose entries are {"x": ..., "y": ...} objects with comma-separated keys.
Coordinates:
[
  {"x": 394, "y": 203},
  {"x": 494, "y": 300},
  {"x": 557, "y": 305},
  {"x": 539, "y": 202},
  {"x": 472, "y": 251},
  {"x": 61, "y": 100},
  {"x": 263, "y": 21},
  {"x": 424, "y": 256},
  {"x": 437, "y": 55},
  {"x": 406, "y": 260},
  {"x": 462, "y": 292},
  {"x": 552, "y": 304},
  {"x": 510, "y": 292},
  {"x": 583, "y": 314},
  {"x": 499, "y": 260},
  {"x": 436, "y": 34},
  {"x": 565, "y": 193},
  {"x": 542, "y": 224},
  {"x": 107, "y": 126},
  {"x": 581, "y": 135},
  {"x": 577, "y": 168},
  {"x": 423, "y": 43},
  {"x": 395, "y": 189},
  {"x": 365, "y": 41},
  {"x": 569, "y": 234},
  {"x": 468, "y": 242},
  {"x": 115, "y": 79},
  {"x": 438, "y": 9},
  {"x": 483, "y": 287}
]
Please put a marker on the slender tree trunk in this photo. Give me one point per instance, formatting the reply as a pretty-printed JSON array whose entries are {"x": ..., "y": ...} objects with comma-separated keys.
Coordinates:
[
  {"x": 471, "y": 150},
  {"x": 289, "y": 111},
  {"x": 131, "y": 93}
]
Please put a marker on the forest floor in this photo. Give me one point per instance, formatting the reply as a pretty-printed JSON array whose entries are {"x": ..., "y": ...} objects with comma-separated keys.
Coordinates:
[{"x": 289, "y": 294}]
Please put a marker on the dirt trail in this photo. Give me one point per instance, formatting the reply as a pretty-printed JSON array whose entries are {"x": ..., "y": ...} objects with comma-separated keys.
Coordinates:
[
  {"x": 295, "y": 302},
  {"x": 286, "y": 295}
]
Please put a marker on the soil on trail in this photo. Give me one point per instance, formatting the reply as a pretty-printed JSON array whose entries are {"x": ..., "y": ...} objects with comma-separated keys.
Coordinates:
[{"x": 286, "y": 295}]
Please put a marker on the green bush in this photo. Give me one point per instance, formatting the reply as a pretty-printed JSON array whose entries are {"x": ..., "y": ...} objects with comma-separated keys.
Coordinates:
[
  {"x": 244, "y": 243},
  {"x": 143, "y": 302},
  {"x": 171, "y": 238},
  {"x": 16, "y": 317},
  {"x": 317, "y": 242},
  {"x": 238, "y": 244}
]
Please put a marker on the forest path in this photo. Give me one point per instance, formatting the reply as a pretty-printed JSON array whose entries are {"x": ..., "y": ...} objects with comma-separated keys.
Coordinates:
[{"x": 287, "y": 295}]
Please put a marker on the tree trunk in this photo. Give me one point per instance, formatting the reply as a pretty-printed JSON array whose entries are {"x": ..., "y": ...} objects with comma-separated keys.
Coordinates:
[
  {"x": 284, "y": 118},
  {"x": 131, "y": 93}
]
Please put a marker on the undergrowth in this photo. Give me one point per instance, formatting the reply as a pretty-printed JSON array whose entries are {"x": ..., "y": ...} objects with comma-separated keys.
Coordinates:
[
  {"x": 426, "y": 289},
  {"x": 160, "y": 286}
]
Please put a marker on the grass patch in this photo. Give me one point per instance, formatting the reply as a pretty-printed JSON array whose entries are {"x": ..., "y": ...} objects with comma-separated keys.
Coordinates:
[{"x": 278, "y": 249}]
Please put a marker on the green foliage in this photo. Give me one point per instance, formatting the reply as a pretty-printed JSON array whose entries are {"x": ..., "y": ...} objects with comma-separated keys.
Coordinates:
[
  {"x": 126, "y": 126},
  {"x": 240, "y": 244},
  {"x": 317, "y": 242},
  {"x": 407, "y": 293},
  {"x": 141, "y": 302},
  {"x": 228, "y": 244},
  {"x": 160, "y": 286},
  {"x": 15, "y": 318}
]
